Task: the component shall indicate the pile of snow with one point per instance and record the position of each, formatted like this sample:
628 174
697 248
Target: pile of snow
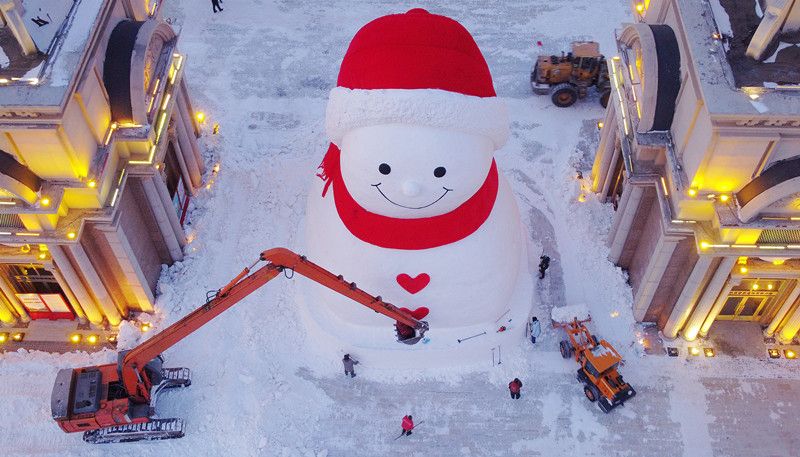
569 312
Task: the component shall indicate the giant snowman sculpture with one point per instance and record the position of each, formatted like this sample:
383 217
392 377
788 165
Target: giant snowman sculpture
409 202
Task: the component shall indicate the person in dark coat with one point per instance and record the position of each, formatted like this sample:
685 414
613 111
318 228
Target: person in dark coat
407 424
544 264
349 366
514 387
536 329
215 5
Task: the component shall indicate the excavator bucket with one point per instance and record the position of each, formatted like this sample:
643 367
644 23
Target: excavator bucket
409 335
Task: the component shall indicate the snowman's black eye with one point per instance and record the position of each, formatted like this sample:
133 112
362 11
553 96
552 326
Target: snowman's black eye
439 172
384 168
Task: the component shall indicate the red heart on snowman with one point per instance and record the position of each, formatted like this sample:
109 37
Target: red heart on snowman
415 284
418 313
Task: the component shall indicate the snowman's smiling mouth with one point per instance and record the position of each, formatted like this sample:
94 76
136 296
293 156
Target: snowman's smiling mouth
378 186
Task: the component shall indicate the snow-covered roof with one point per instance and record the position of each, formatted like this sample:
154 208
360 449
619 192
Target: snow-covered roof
725 86
66 29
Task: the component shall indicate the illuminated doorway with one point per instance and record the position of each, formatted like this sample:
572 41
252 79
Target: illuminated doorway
37 289
750 299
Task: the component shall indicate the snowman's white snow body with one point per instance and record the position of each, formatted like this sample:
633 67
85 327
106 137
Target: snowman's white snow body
395 170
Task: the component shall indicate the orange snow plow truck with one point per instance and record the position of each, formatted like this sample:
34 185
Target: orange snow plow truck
116 402
598 362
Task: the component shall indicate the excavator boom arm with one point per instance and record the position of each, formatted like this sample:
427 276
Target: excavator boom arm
279 259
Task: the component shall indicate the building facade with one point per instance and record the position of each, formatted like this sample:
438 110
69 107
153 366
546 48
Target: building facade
98 159
700 156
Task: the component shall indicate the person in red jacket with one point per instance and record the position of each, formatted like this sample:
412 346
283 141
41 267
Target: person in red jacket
514 387
407 424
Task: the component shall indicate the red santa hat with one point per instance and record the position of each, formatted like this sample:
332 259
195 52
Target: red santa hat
416 68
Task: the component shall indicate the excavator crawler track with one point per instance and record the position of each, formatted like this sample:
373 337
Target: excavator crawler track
156 429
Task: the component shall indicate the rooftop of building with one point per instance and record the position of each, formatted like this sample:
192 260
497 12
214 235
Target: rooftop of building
61 30
718 33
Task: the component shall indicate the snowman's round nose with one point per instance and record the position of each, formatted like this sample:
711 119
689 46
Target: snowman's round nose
411 188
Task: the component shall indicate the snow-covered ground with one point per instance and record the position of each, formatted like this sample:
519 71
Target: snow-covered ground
262 69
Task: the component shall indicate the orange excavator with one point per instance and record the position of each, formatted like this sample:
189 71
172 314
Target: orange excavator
116 402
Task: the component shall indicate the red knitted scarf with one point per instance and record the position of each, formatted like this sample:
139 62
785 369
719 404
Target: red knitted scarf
409 234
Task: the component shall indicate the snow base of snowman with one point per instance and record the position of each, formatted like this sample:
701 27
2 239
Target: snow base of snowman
376 347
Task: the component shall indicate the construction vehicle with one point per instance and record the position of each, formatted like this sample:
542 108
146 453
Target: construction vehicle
116 402
598 362
569 77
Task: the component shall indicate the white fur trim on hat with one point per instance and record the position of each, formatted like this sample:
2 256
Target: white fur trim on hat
352 108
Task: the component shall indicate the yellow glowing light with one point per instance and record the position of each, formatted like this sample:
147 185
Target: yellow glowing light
71 235
709 352
755 286
614 313
45 201
694 350
25 248
790 354
743 270
753 96
91 183
640 7
704 245
18 337
3 337
200 116
778 261
112 338
92 339
723 198
42 255
75 338
145 327
600 124
581 198
692 192
770 286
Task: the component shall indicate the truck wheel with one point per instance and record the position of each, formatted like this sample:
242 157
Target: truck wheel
604 96
595 340
604 405
564 95
565 348
591 392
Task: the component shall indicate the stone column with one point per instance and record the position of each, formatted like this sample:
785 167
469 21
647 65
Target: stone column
13 300
185 150
603 161
718 304
192 128
688 297
187 178
126 258
626 212
652 275
7 315
162 216
710 295
95 284
73 301
790 328
83 298
784 310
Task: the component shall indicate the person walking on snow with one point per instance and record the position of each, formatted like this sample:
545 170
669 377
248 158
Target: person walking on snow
536 329
543 265
215 5
349 366
407 424
514 387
